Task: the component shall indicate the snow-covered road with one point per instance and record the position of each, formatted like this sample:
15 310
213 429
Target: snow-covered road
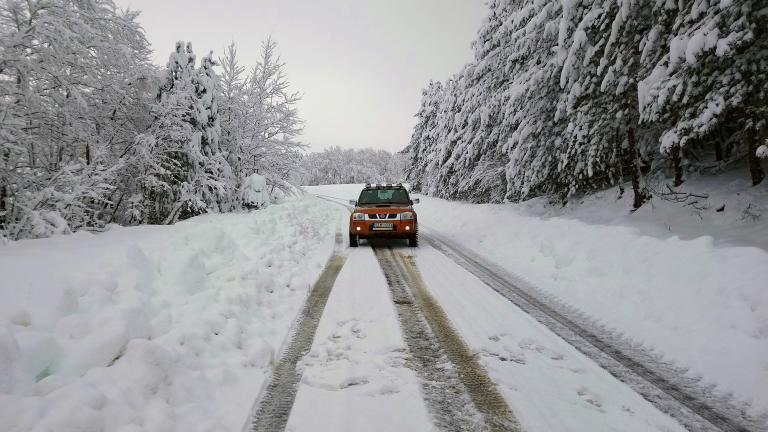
180 328
467 225
356 376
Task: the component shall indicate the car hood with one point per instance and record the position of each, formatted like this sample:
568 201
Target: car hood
393 209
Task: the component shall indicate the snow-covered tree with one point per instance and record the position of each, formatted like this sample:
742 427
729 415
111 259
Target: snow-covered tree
184 172
232 106
92 133
335 165
260 122
565 97
708 84
73 95
272 105
423 140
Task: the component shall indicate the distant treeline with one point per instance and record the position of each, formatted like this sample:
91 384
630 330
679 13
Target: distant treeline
568 97
341 166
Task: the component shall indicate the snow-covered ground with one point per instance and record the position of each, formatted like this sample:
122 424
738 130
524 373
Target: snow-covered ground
162 328
355 376
549 384
154 328
725 207
702 304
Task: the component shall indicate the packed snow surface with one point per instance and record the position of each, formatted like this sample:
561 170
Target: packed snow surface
700 303
154 328
355 376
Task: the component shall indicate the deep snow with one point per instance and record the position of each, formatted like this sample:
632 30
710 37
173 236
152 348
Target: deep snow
154 328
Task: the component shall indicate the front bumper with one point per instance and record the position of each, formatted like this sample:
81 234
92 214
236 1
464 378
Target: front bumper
402 229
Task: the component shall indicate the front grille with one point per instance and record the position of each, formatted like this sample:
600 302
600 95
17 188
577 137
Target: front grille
382 216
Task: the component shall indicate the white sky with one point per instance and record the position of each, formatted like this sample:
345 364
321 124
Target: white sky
360 64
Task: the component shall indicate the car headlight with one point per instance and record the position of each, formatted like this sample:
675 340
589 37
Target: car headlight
407 216
358 216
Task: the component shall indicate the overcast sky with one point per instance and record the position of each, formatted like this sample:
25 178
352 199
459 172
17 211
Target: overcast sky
360 64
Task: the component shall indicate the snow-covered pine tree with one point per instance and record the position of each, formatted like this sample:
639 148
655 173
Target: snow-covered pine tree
591 153
478 160
184 172
621 69
709 80
216 184
534 139
423 143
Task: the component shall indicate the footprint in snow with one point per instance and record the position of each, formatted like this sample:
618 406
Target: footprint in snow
513 356
590 398
532 345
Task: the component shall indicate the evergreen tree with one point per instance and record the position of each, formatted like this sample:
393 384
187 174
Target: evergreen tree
709 81
185 173
568 97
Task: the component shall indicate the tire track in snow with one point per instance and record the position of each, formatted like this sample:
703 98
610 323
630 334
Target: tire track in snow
696 408
457 390
273 406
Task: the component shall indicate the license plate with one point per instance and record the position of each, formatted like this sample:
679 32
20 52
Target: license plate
383 226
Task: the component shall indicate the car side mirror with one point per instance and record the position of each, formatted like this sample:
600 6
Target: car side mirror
353 202
415 201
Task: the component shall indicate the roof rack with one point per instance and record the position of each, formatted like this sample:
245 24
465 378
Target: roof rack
383 185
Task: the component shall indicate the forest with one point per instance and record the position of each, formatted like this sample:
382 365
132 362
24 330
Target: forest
335 165
92 133
568 97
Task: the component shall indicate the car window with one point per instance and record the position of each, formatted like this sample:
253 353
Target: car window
384 196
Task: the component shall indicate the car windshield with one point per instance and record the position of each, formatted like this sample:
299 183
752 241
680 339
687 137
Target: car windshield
383 196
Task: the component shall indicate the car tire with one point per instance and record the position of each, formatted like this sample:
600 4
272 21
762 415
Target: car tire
353 241
413 241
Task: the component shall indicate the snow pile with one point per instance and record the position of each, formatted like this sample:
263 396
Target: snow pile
254 192
762 151
154 328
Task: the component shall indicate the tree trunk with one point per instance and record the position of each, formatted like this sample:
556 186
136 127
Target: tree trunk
620 164
717 143
755 170
3 207
674 156
634 169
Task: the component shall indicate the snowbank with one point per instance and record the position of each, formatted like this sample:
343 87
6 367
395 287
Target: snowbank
155 328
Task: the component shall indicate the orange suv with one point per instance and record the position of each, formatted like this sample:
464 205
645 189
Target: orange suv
384 211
